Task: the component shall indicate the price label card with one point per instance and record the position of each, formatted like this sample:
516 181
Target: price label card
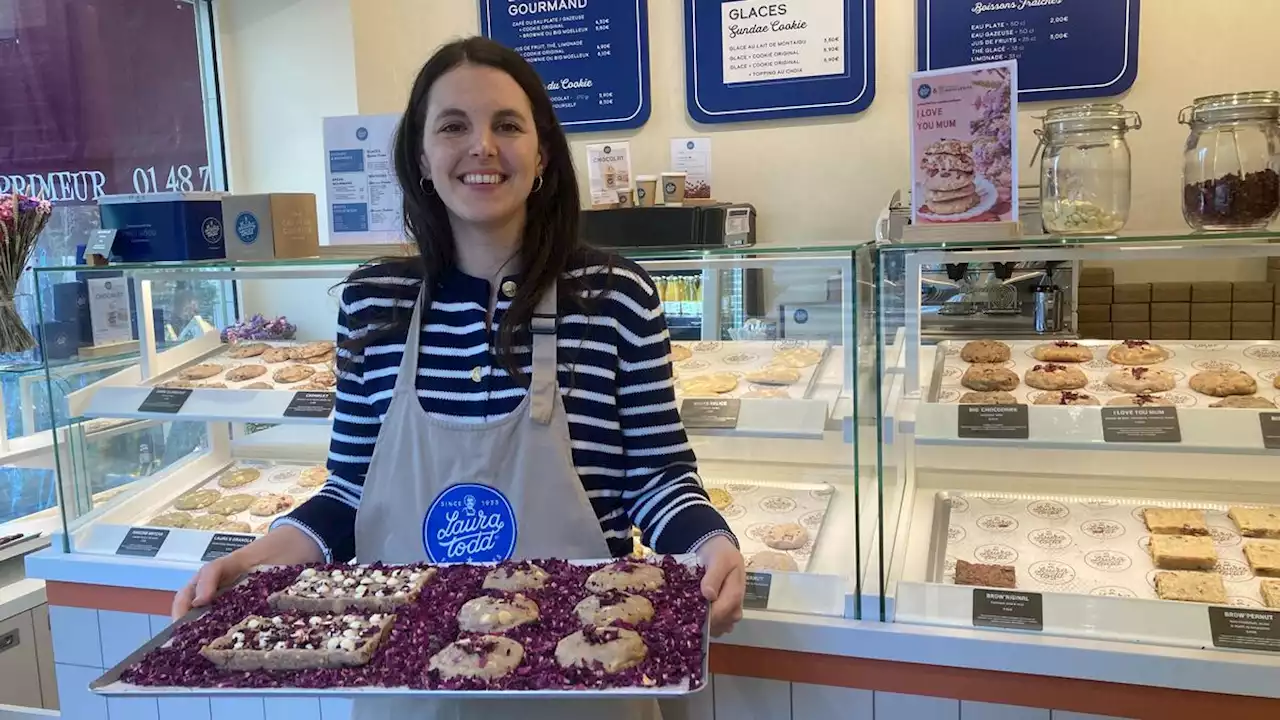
1001 422
1245 629
1008 609
1141 425
757 595
224 544
710 413
310 405
165 400
142 542
102 242
1270 430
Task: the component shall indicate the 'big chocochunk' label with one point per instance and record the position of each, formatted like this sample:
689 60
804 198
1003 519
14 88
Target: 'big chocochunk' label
469 523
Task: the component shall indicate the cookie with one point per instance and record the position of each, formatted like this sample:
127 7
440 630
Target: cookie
626 576
487 657
206 522
259 386
1263 557
984 351
312 387
1051 376
235 526
997 576
944 180
487 614
310 350
720 499
797 357
199 372
943 195
1141 400
680 353
171 520
1137 352
268 504
1175 521
241 351
177 384
1263 522
773 375
611 649
1141 379
988 398
197 499
213 386
293 374
514 578
313 477
949 147
709 384
614 607
238 477
246 372
275 355
989 378
774 393
771 560
1252 402
1183 552
324 379
1065 397
954 207
1191 586
1062 351
786 536
1271 593
1223 383
231 504
262 529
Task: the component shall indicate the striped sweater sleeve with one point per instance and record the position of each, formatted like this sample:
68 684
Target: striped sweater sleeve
663 495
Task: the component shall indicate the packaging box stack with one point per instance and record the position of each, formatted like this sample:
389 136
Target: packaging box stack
1170 311
1211 311
1131 311
1273 276
1252 310
1093 303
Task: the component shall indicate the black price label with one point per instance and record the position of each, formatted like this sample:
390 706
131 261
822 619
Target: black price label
1008 609
310 405
712 413
757 595
1141 425
165 400
1245 629
1001 422
1270 430
142 542
224 544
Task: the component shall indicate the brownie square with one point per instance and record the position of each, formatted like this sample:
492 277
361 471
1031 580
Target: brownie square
1263 522
997 576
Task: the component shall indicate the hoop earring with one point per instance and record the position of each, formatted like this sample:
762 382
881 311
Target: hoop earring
427 186
537 184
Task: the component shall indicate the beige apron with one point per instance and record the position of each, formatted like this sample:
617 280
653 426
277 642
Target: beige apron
494 489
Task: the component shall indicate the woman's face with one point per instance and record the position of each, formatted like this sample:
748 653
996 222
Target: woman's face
480 146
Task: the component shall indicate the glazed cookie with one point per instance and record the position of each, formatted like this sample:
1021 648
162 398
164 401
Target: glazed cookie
611 607
268 504
197 499
1251 402
275 355
487 614
1051 376
786 536
313 477
246 372
1223 383
989 378
1141 400
984 351
773 375
720 499
1062 351
1137 352
200 372
247 350
487 657
513 578
238 477
612 649
293 374
175 519
626 576
231 504
1140 379
1065 397
771 560
988 398
680 353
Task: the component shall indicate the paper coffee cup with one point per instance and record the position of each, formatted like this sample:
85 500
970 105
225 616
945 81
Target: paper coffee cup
624 197
646 190
673 188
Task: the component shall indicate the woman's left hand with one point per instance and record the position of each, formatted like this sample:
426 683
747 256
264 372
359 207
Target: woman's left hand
723 583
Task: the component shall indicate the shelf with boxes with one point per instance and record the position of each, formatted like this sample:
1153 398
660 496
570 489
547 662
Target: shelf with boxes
1176 310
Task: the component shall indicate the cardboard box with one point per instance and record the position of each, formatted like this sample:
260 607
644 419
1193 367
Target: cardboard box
271 227
1131 293
1251 331
1131 330
1253 292
1275 327
1171 311
1094 331
1252 312
1130 312
1093 313
1273 276
165 226
1097 277
1273 262
1167 292
1210 331
1170 330
1211 312
1093 296
1210 292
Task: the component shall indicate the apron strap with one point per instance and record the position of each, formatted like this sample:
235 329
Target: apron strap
542 385
407 375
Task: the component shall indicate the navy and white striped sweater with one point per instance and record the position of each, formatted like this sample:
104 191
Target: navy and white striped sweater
628 443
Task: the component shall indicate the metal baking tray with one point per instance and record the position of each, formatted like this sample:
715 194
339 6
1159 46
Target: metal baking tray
109 684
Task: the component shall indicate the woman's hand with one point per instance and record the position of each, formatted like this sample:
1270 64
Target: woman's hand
723 583
214 576
284 545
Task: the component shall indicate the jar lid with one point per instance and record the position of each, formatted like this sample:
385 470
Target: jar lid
1237 105
1098 116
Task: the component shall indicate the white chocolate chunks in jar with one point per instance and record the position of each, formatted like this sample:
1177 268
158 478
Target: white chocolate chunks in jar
299 642
515 577
487 657
614 606
371 588
627 577
614 648
493 615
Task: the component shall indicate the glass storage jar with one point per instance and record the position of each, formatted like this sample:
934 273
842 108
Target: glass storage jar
1229 167
1085 170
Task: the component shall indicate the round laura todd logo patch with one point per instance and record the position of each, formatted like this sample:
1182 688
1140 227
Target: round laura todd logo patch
469 523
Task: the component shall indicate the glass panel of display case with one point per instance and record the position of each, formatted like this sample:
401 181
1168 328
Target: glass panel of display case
1081 435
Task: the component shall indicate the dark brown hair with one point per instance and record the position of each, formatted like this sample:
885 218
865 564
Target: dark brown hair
551 224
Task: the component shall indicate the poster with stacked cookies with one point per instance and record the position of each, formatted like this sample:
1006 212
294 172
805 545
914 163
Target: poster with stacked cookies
964 163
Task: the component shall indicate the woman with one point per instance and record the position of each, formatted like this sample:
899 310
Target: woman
542 374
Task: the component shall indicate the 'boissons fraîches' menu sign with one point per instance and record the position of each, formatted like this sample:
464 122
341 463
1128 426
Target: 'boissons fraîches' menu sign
767 60
1066 49
593 56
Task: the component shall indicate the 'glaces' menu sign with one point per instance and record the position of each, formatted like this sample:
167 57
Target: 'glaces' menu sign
767 60
1065 49
593 56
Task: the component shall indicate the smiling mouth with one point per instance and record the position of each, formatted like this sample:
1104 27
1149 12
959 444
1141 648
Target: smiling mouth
482 179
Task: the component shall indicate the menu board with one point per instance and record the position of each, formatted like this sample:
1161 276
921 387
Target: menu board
766 60
362 193
592 55
1065 49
